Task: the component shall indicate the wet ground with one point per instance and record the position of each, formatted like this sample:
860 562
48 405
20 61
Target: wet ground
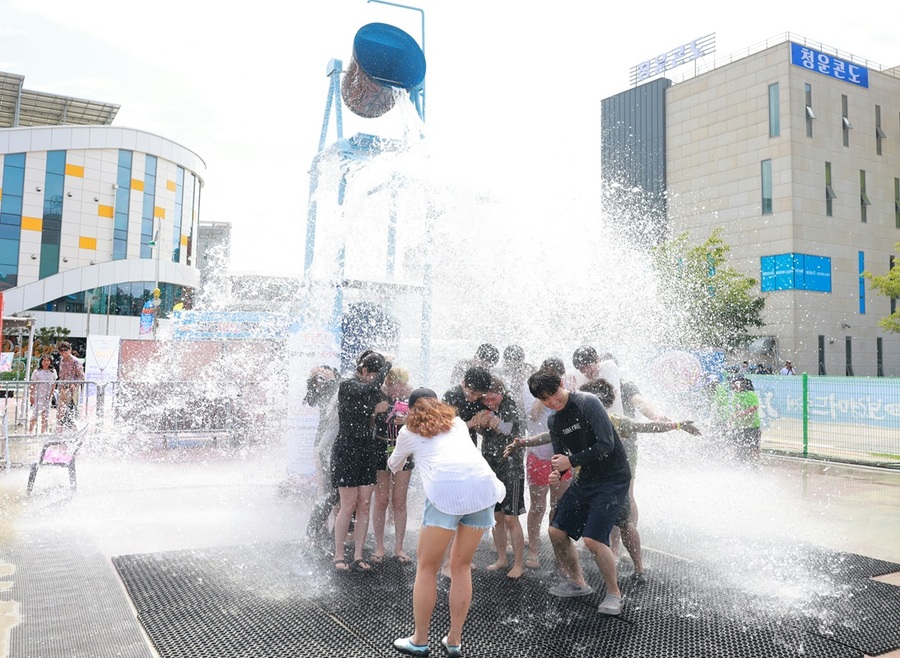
763 532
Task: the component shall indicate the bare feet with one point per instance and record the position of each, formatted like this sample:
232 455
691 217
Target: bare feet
516 572
532 563
499 564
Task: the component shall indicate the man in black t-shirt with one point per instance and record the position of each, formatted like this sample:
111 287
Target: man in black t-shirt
584 441
466 397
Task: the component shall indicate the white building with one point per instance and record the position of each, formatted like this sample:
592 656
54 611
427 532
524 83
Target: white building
794 152
92 217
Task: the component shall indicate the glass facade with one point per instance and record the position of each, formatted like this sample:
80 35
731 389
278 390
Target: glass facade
148 207
795 272
123 201
121 299
176 220
51 228
774 117
11 218
766 184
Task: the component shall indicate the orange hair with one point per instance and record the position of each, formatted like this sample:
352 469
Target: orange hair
430 417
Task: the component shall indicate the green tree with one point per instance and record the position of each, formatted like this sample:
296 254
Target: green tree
888 285
707 302
50 336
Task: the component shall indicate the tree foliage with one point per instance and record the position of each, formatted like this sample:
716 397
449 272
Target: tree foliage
709 302
888 285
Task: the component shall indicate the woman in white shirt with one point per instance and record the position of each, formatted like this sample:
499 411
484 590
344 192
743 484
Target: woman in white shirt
44 379
461 491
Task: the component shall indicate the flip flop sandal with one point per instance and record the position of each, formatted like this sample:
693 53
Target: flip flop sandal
361 565
402 559
376 559
341 566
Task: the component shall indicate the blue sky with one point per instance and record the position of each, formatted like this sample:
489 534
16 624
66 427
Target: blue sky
513 100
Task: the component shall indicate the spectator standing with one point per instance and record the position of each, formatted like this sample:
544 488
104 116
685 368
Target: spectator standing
71 373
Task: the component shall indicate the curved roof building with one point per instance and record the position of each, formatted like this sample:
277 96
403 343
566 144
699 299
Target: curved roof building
93 217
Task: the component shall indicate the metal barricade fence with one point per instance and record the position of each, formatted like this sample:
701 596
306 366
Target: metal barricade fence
849 419
239 411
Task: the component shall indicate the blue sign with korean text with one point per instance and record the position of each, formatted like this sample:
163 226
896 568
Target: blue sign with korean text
855 401
795 272
834 67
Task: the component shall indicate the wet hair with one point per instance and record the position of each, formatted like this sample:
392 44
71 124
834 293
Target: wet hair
544 383
602 389
497 386
478 379
371 361
321 384
429 417
584 356
742 384
45 356
608 356
514 354
487 353
554 365
397 377
68 346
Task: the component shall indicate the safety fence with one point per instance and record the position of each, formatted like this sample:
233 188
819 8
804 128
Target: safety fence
849 419
168 412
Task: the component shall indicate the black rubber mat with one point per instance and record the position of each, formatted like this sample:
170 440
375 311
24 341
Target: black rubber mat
285 600
71 605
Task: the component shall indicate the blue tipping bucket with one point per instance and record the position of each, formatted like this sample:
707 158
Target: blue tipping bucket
384 57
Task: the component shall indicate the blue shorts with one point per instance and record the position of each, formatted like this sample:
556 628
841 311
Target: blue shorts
483 520
590 509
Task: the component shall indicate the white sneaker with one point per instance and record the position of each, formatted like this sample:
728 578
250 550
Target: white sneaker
567 589
611 605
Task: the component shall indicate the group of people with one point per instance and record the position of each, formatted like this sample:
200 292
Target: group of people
55 382
467 447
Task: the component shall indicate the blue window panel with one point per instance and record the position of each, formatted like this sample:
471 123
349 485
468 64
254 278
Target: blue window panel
12 204
13 178
9 232
123 174
9 253
862 283
11 220
56 162
120 250
49 259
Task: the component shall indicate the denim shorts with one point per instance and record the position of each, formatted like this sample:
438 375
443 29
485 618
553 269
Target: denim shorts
483 520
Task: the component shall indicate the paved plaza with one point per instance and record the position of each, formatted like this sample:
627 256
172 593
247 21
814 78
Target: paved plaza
199 550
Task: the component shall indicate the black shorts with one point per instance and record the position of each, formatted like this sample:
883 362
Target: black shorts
591 509
514 502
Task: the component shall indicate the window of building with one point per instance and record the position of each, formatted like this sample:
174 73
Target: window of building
845 120
897 202
774 117
176 220
829 191
893 299
11 218
810 115
766 184
879 357
51 226
862 283
795 272
848 348
822 356
879 131
864 202
123 200
148 240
